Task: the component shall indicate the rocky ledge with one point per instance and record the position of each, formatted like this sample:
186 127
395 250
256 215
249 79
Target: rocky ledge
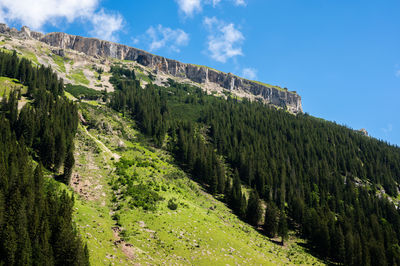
199 74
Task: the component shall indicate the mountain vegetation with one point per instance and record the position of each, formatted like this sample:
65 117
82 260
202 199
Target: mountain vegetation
35 218
280 173
314 175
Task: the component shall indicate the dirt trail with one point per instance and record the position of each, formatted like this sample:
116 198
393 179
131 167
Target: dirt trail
102 146
126 248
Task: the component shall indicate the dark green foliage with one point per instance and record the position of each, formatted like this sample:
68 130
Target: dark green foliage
36 225
121 73
172 205
282 227
68 165
253 213
36 220
271 219
39 77
82 92
141 195
48 126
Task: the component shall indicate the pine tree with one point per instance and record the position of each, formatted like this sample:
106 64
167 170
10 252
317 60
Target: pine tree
68 165
2 208
271 220
9 245
253 213
243 206
283 227
349 249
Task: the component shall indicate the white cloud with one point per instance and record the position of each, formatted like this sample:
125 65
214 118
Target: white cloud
188 7
224 40
135 40
398 73
240 2
215 2
166 37
106 25
35 14
249 73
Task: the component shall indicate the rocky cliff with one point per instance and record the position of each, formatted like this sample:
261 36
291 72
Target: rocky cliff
200 74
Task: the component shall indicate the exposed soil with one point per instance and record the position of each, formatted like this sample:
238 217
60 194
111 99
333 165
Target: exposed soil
127 248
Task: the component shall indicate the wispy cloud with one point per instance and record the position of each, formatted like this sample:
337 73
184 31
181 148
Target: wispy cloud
215 2
240 2
249 73
164 37
40 12
387 129
190 7
224 40
397 73
106 26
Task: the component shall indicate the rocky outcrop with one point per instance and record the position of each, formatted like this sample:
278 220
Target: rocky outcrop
200 74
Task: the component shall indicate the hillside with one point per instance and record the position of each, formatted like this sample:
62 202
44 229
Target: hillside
201 230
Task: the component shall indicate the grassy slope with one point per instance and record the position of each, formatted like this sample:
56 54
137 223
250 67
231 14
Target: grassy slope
92 214
79 77
7 84
201 231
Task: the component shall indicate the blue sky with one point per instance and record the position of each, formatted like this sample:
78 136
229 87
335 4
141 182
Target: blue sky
342 57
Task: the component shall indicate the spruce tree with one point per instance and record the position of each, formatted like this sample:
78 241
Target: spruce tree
253 213
271 219
68 165
283 227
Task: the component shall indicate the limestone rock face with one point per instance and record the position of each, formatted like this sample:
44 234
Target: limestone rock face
24 33
199 74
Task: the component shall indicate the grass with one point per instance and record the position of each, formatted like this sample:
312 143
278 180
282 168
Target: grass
140 75
79 77
69 96
60 62
30 56
5 50
79 91
7 84
201 231
92 212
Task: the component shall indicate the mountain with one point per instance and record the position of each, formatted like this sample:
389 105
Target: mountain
172 168
213 80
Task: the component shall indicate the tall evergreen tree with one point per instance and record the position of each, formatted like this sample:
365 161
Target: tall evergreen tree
254 210
271 219
283 227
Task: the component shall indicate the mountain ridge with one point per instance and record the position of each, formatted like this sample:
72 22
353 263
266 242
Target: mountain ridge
200 74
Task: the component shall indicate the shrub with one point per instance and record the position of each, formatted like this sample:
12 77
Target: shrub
143 196
172 205
79 91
